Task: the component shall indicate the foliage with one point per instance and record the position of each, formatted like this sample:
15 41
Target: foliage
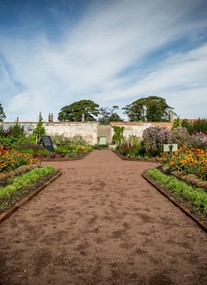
24 180
199 140
12 159
39 131
2 114
16 131
151 109
118 136
196 196
181 137
189 161
176 123
75 111
108 115
61 140
12 137
199 125
100 146
154 138
135 151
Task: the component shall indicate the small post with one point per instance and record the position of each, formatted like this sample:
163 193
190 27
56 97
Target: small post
171 148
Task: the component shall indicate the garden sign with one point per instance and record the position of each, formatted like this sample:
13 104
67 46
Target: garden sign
47 143
170 147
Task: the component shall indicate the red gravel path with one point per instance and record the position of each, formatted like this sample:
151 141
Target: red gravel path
101 223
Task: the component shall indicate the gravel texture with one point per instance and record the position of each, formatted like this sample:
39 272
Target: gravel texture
101 222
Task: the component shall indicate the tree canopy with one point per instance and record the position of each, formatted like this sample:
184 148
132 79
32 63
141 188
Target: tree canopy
108 115
85 110
2 114
151 109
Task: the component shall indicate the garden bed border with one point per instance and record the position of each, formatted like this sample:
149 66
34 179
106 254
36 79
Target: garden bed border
64 158
184 209
134 159
7 213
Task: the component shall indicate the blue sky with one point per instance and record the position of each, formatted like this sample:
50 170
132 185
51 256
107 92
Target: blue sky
55 52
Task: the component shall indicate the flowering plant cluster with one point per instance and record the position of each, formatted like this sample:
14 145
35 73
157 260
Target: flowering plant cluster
199 139
11 159
188 160
153 138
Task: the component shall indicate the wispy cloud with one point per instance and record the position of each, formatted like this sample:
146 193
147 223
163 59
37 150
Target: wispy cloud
109 56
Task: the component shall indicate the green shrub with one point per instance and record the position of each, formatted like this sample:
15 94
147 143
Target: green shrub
181 137
118 135
199 125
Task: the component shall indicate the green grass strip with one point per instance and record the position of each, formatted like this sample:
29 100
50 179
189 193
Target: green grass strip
196 196
27 179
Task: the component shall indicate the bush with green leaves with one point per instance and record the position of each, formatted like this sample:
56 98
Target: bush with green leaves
118 135
199 125
39 131
12 137
181 137
131 147
61 140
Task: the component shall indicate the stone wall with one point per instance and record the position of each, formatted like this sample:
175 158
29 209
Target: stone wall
90 131
137 129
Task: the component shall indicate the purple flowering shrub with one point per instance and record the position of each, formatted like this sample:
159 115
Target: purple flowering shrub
199 140
154 138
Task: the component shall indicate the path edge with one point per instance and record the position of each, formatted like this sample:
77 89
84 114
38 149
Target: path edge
26 199
134 159
184 209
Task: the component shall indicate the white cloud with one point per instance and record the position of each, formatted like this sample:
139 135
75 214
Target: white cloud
88 59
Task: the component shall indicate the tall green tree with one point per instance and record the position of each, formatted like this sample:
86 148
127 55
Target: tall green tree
2 114
151 109
39 131
83 110
108 115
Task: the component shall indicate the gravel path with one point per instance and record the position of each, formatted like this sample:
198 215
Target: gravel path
101 223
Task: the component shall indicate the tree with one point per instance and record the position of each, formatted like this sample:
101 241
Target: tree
83 110
39 131
109 115
151 109
2 114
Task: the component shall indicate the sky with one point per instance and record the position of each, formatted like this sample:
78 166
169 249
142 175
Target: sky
114 52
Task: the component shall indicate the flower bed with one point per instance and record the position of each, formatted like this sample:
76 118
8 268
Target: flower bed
11 159
62 152
188 161
193 199
17 187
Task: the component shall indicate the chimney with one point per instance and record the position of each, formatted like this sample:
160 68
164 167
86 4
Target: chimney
50 117
171 117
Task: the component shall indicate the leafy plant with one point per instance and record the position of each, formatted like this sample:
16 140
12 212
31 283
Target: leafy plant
19 182
39 131
196 196
176 123
199 125
118 136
